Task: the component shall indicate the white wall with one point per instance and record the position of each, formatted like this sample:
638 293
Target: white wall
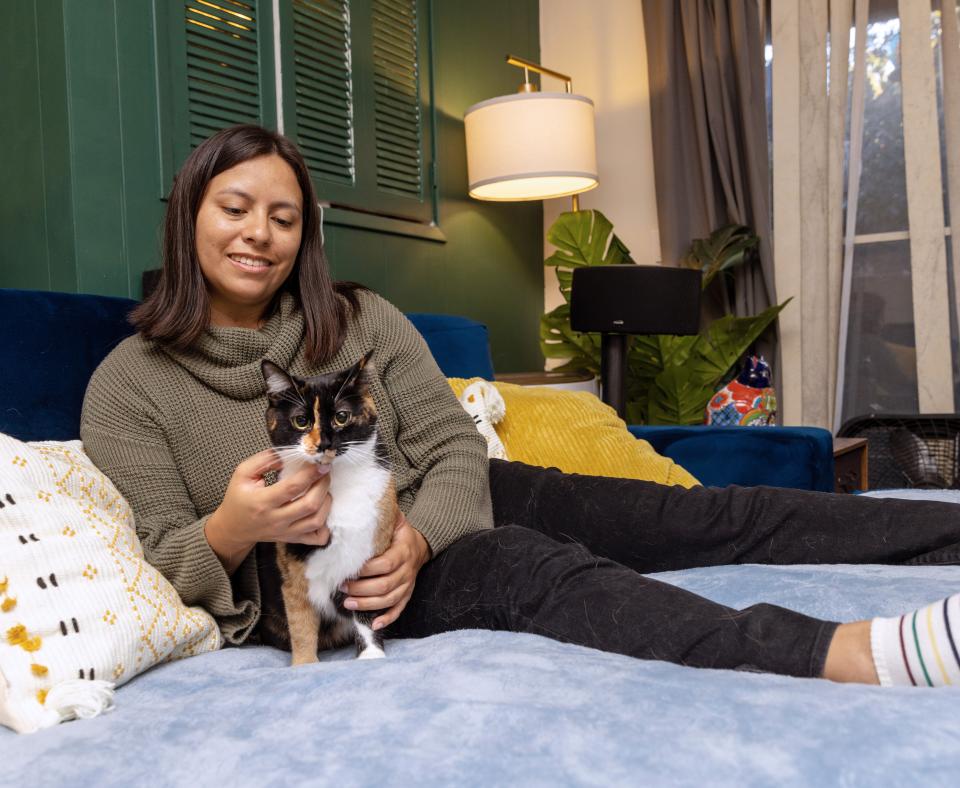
601 46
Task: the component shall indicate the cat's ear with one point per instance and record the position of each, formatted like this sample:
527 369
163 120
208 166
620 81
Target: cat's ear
277 379
363 361
354 372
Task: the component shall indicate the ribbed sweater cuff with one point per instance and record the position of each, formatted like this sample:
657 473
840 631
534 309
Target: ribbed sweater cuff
445 516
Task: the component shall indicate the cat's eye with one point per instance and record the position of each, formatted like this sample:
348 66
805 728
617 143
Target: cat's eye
300 421
341 417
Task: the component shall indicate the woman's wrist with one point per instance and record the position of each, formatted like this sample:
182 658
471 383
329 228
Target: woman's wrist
424 546
230 552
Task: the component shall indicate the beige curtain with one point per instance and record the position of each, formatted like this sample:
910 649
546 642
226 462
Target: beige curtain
809 130
928 261
809 241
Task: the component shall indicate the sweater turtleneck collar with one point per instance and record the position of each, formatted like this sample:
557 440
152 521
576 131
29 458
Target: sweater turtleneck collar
228 359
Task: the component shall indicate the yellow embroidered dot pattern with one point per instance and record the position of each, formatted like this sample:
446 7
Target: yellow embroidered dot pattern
19 462
68 531
9 602
110 618
18 636
41 696
118 670
39 670
44 496
90 572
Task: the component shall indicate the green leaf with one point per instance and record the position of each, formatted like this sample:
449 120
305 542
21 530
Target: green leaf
585 238
727 339
582 238
678 397
724 249
559 341
648 356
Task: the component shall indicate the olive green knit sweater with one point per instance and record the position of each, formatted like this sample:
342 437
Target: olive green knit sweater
169 429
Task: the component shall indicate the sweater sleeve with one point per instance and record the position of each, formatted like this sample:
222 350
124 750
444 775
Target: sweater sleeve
124 439
435 434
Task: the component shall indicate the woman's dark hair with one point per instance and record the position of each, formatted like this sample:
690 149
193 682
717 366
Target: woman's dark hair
178 310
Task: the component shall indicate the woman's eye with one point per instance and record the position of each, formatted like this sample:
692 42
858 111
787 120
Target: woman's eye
341 417
283 222
300 421
231 211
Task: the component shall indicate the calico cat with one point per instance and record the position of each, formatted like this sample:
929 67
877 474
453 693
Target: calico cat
328 419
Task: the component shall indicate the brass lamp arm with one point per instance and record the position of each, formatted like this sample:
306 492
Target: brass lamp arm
528 66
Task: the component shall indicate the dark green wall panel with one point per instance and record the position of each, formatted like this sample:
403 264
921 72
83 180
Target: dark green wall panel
85 153
36 215
54 134
96 145
140 158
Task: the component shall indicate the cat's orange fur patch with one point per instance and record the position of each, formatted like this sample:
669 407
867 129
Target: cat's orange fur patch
388 511
303 621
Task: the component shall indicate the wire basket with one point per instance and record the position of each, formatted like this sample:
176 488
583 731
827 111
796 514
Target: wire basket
909 451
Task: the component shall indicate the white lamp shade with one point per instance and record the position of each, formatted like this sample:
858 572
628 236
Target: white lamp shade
530 146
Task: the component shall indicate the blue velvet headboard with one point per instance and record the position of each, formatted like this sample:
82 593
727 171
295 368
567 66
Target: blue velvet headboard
52 343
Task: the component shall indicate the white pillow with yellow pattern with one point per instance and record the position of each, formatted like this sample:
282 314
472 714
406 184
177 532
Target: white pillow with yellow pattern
81 611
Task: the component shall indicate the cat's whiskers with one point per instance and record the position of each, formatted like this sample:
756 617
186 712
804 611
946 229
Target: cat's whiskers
294 452
359 453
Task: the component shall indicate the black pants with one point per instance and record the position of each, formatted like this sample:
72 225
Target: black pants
565 560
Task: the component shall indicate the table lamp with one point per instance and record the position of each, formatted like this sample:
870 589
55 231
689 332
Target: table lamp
531 145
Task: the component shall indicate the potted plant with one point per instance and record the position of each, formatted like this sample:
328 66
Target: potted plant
670 378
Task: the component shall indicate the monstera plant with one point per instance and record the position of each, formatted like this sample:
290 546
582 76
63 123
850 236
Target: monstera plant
670 379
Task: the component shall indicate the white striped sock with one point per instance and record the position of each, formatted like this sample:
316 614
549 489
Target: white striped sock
919 649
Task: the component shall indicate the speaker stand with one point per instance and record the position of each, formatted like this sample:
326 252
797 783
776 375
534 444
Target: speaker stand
613 362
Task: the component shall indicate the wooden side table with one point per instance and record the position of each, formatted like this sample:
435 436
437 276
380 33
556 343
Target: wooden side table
850 465
577 381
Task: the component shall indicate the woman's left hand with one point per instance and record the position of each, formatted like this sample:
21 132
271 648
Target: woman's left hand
386 582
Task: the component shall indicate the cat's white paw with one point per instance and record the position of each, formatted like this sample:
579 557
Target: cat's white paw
371 652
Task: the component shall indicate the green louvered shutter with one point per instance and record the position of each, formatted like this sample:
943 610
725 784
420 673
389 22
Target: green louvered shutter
356 102
396 89
223 75
323 92
219 70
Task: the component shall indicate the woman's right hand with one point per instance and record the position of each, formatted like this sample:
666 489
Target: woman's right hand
292 510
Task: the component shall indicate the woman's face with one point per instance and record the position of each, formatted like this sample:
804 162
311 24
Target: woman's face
248 235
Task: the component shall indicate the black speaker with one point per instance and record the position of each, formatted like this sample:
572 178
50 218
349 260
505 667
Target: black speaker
617 300
635 299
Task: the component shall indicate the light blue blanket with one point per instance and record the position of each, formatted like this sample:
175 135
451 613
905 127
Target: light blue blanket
489 708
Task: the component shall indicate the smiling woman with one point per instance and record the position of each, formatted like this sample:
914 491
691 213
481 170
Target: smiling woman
248 236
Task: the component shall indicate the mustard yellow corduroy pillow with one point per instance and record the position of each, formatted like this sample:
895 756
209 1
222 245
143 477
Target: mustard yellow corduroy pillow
577 433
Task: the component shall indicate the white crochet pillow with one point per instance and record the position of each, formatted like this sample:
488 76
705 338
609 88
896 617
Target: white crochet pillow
80 609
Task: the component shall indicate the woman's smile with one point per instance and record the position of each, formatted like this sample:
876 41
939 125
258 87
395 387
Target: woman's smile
250 263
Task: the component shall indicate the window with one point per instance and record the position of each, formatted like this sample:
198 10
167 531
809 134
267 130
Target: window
349 80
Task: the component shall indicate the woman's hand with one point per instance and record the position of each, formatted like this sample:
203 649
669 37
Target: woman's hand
292 510
386 582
